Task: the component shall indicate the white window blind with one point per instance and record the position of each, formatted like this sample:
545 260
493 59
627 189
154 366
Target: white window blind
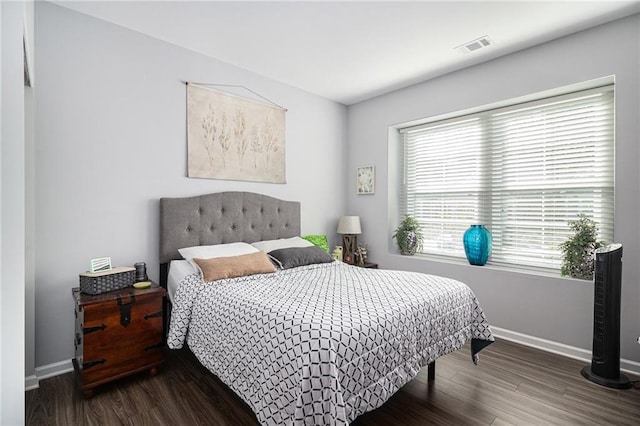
523 171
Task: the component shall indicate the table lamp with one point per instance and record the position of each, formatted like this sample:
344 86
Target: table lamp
349 227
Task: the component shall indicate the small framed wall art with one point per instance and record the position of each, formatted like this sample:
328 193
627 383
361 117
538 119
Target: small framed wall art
365 180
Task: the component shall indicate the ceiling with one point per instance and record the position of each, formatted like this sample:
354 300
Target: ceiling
350 51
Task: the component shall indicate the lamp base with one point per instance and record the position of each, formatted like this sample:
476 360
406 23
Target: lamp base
349 244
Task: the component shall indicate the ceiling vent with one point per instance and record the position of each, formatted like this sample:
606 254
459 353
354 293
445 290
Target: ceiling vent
474 45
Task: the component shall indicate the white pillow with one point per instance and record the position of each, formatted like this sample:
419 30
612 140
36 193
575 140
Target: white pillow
218 250
269 245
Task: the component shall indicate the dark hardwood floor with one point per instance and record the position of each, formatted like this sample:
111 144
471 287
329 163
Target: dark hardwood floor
512 384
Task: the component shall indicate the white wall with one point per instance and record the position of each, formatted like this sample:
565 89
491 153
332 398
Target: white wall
556 309
12 211
29 152
111 140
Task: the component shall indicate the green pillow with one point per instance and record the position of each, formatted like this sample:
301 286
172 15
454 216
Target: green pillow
318 240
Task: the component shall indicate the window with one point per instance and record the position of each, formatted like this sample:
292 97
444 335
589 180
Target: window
523 171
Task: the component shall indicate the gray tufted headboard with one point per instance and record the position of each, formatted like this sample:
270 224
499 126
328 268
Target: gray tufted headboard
224 217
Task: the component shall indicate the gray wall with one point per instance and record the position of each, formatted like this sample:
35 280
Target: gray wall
12 212
546 307
110 140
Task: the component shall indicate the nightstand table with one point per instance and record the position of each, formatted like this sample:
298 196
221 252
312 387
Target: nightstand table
118 333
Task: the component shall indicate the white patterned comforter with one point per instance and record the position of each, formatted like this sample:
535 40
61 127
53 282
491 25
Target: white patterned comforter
322 344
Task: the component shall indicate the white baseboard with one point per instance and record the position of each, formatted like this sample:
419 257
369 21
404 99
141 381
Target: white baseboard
46 371
31 382
54 369
580 354
627 366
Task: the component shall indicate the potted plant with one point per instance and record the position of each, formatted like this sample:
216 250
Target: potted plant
578 250
409 236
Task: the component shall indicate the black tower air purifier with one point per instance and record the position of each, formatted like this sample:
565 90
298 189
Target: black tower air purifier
605 359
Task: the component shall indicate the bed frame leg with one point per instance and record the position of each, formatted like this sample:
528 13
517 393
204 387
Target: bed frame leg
431 371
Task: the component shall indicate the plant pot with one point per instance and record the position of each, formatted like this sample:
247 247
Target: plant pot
477 244
410 245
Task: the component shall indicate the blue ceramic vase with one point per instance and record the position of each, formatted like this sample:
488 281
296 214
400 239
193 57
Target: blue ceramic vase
477 244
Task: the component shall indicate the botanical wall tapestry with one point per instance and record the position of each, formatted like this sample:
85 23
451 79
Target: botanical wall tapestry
234 138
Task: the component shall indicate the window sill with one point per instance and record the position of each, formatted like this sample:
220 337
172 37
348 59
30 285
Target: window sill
541 272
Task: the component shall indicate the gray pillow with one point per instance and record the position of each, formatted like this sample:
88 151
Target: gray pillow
292 257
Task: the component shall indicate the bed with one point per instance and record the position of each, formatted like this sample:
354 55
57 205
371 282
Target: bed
314 342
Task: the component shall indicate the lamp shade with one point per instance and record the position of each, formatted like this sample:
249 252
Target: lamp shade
349 225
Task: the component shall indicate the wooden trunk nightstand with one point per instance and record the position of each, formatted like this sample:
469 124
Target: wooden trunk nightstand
117 334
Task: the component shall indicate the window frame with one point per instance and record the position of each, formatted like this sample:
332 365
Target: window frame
533 100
